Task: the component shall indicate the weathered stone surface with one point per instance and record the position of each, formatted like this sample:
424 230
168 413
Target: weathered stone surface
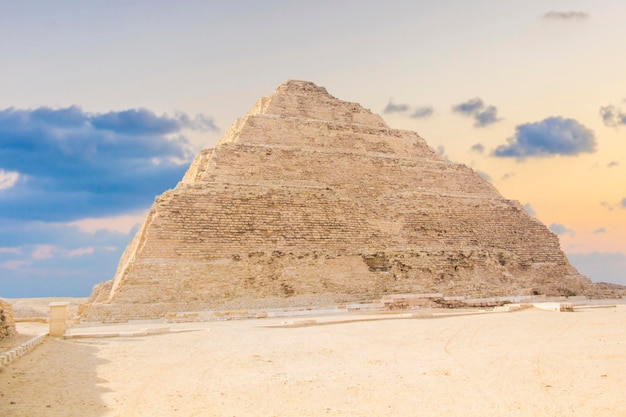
7 324
309 200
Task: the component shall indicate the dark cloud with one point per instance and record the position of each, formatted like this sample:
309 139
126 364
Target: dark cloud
418 112
607 205
484 175
599 231
470 107
559 229
396 108
441 150
486 117
529 210
478 148
612 164
422 112
569 15
508 175
145 122
69 164
612 206
483 115
551 136
612 116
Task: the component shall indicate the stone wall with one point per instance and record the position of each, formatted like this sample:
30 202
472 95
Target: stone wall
309 200
7 325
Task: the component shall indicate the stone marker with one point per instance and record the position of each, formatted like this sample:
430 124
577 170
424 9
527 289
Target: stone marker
58 318
309 200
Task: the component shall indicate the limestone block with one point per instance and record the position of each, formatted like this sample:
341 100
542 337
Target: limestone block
554 306
58 318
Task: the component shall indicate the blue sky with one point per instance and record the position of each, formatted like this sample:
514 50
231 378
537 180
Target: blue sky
104 104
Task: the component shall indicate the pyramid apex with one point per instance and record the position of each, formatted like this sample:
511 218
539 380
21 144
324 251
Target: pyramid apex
307 100
295 86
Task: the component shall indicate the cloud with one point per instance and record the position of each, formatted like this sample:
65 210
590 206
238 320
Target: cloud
7 179
67 164
43 252
529 210
145 122
396 108
478 148
560 230
79 252
612 116
599 231
483 115
470 107
610 206
47 251
612 164
10 250
13 265
606 205
422 112
486 117
601 266
551 136
569 15
507 175
53 259
123 223
419 112
484 175
441 150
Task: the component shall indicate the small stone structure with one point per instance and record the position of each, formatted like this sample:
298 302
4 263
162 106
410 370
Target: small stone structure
313 201
58 318
7 324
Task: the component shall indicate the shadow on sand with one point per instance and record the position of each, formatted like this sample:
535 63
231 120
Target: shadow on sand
58 378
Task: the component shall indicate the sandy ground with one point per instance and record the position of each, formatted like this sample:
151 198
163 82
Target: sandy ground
526 363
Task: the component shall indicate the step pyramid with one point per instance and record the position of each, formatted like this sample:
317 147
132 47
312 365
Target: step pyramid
309 200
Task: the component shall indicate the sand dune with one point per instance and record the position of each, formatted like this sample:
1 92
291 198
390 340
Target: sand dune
526 363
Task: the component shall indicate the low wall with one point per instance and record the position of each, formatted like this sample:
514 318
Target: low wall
13 354
7 323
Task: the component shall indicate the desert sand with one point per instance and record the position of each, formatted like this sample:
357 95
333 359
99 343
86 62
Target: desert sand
525 363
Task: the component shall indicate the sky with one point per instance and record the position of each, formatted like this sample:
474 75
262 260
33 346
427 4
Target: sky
103 105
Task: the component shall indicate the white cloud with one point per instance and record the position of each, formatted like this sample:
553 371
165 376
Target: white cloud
43 252
10 250
122 224
79 252
560 230
14 265
8 179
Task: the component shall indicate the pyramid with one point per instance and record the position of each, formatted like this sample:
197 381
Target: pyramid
309 200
